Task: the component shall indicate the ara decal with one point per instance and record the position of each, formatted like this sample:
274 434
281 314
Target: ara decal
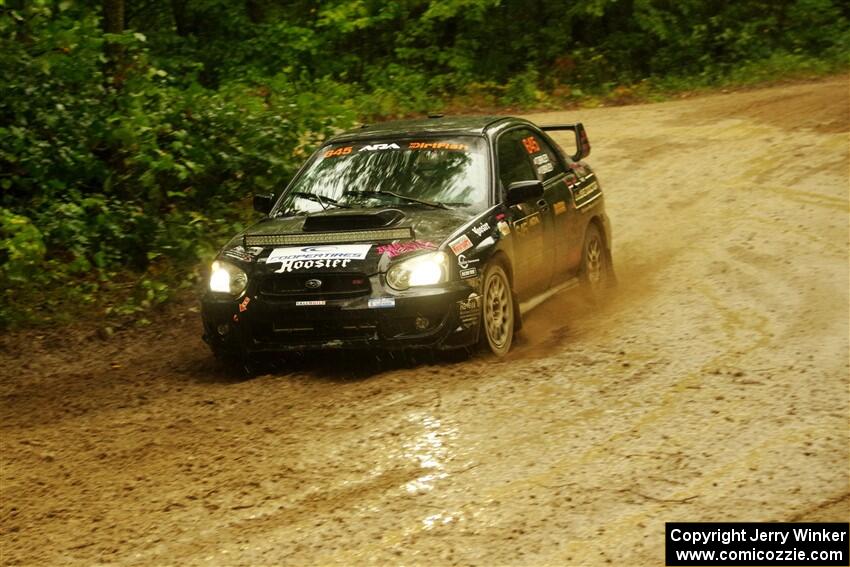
376 147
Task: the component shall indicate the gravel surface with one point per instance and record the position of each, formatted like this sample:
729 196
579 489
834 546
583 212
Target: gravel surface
713 387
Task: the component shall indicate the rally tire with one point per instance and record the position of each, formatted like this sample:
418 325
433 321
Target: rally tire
595 273
497 312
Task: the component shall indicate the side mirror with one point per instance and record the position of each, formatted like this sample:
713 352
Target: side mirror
522 191
263 203
582 143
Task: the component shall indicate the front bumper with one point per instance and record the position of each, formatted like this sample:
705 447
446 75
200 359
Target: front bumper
442 317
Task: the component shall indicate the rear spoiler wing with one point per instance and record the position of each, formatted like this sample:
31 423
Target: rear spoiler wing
582 143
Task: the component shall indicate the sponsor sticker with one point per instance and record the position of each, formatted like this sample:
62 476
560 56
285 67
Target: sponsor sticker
469 310
463 262
244 305
376 147
240 253
399 248
541 159
437 146
504 228
468 273
586 190
481 228
560 207
531 145
310 303
381 302
545 168
338 152
306 257
460 244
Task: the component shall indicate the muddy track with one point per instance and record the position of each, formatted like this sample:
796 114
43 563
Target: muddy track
713 387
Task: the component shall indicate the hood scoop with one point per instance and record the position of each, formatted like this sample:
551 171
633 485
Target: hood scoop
346 220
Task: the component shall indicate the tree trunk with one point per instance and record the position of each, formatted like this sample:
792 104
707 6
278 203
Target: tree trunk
255 11
113 16
113 22
181 18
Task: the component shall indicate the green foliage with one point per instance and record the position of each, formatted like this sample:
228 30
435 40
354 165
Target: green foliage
125 158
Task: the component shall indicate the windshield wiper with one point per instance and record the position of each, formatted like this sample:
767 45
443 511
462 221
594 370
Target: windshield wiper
319 199
402 197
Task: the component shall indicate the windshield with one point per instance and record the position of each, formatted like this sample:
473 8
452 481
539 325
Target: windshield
419 172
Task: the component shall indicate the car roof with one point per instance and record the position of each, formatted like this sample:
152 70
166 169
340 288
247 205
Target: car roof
445 125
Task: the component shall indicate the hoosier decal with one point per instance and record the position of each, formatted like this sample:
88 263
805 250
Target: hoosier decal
305 257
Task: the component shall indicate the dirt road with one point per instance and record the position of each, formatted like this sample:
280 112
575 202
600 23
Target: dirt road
714 387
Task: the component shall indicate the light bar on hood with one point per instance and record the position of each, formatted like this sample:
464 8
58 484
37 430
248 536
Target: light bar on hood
404 233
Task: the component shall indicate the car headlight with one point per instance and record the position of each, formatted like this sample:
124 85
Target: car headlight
227 278
425 269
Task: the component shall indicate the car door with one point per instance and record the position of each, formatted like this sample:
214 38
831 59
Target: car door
531 220
550 169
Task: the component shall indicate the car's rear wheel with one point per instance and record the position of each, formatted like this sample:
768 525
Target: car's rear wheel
498 310
595 268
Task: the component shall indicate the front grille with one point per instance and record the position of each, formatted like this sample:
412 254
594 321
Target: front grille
316 328
333 286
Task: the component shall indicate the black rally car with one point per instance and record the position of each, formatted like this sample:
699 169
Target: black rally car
433 233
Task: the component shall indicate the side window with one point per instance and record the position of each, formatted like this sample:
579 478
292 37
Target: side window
514 162
543 157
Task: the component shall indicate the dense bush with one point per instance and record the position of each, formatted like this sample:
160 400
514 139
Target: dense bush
124 156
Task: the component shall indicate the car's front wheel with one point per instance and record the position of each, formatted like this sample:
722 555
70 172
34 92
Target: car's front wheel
498 310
